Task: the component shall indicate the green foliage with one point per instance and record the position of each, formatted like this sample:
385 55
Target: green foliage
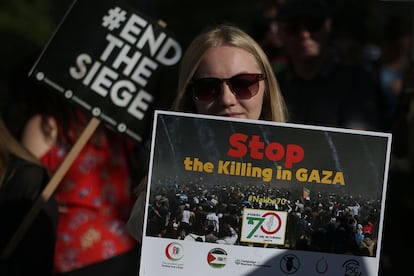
25 27
27 18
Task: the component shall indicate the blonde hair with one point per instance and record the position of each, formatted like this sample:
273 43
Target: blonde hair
9 145
274 108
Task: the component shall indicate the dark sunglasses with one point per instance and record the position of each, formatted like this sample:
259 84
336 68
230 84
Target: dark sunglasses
311 25
243 86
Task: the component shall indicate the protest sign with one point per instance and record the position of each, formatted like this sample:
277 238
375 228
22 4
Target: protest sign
106 57
290 199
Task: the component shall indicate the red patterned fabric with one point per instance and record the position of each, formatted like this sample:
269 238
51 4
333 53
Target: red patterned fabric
95 201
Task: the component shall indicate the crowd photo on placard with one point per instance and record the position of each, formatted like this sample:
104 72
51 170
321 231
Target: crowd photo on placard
199 210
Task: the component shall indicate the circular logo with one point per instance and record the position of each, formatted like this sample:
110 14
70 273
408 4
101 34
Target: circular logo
289 264
217 257
174 251
272 227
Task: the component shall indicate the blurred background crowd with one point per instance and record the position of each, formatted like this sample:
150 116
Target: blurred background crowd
373 35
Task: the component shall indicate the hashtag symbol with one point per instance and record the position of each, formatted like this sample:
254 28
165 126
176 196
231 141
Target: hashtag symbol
114 18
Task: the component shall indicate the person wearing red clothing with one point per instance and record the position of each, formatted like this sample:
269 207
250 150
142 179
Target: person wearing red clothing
95 195
368 228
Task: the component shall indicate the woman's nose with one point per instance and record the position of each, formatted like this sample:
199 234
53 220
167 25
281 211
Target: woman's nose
227 96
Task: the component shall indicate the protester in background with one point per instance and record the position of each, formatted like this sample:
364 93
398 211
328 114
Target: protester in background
95 195
406 116
265 31
318 89
22 180
224 72
401 173
394 63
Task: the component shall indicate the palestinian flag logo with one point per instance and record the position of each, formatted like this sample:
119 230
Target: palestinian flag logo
217 258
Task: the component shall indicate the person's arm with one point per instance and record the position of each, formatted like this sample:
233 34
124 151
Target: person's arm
35 139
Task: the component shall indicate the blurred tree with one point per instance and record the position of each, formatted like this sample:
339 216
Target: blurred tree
25 27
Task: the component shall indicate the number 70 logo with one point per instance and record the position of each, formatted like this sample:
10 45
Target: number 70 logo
263 226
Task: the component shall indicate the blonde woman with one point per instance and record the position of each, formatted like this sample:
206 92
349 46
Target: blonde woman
223 72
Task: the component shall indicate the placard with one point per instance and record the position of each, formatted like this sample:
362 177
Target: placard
289 198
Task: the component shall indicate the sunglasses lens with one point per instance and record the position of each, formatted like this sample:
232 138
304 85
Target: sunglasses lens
206 89
244 86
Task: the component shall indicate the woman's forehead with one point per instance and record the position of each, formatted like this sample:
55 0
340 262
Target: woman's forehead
227 61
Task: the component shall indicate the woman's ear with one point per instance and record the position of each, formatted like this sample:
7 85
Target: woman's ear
35 139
